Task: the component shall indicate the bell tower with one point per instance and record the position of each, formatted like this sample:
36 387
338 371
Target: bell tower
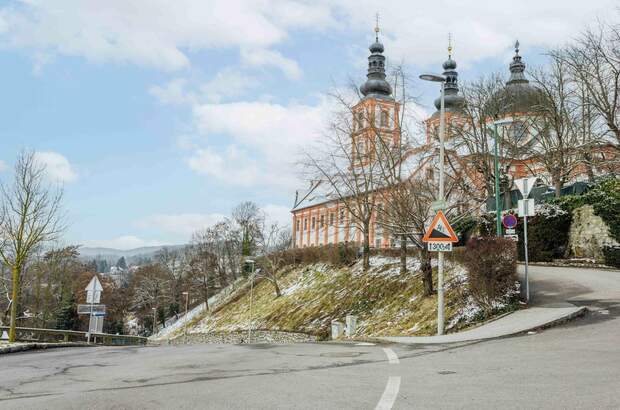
376 115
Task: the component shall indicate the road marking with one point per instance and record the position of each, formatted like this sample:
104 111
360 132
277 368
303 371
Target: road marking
389 394
392 358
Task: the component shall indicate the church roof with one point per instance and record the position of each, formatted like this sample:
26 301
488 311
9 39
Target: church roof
376 85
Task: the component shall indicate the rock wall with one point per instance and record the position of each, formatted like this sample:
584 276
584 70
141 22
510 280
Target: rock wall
588 234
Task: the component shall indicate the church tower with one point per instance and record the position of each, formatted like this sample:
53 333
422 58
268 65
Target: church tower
453 101
376 115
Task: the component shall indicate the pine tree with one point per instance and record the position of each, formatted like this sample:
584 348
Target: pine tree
67 317
122 264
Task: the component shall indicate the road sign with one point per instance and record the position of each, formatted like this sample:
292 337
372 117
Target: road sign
93 290
526 207
440 246
509 221
513 237
440 230
437 205
510 231
525 185
87 309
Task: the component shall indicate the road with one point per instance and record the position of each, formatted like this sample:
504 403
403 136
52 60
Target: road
576 365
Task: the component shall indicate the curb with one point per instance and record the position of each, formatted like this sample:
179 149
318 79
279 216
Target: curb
39 346
578 313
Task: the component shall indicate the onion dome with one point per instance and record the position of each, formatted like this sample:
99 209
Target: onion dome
453 101
376 86
519 95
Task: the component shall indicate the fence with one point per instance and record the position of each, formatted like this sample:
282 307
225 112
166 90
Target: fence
28 334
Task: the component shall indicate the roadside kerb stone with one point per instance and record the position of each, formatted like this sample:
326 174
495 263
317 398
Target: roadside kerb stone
22 347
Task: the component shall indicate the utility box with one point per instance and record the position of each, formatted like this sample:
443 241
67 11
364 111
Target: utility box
351 321
337 329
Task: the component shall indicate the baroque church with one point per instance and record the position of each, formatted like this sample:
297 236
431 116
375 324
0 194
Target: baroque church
320 218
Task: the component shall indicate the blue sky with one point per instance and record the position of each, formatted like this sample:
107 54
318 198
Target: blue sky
158 117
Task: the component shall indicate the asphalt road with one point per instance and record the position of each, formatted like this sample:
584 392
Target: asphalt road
576 365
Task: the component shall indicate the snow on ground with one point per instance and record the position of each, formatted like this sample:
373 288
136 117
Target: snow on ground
167 331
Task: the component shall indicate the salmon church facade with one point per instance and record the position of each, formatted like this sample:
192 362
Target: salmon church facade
319 218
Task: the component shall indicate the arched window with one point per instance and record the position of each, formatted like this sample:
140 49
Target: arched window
384 118
518 131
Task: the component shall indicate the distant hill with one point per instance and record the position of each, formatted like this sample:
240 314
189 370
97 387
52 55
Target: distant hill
115 254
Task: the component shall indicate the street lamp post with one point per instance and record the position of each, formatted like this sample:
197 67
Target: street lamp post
498 211
154 320
250 261
185 318
440 263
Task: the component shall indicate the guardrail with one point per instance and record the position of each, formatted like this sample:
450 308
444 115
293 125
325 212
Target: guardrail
31 334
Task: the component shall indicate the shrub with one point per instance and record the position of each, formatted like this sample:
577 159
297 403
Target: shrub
337 255
547 233
612 256
492 270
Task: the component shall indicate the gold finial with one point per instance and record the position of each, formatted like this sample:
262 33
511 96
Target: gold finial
377 27
449 45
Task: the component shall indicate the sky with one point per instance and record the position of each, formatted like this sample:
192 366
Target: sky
157 117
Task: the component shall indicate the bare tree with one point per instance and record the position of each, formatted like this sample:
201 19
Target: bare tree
274 240
248 217
473 139
29 217
558 142
594 61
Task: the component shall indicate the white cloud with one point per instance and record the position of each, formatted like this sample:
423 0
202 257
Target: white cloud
57 166
154 33
123 242
278 213
271 58
232 165
159 33
417 32
3 166
182 224
174 92
226 84
263 140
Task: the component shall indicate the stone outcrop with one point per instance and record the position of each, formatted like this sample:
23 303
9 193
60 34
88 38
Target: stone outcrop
588 234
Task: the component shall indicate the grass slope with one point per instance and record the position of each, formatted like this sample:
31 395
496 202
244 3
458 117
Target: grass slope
386 302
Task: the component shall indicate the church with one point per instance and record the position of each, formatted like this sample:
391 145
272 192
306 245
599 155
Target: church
320 218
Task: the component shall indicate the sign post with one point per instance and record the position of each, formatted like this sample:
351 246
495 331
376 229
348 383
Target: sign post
526 208
93 296
439 236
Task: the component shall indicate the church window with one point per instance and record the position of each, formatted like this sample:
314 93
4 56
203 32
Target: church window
430 174
384 118
518 131
298 224
322 223
313 222
360 120
305 224
331 218
342 216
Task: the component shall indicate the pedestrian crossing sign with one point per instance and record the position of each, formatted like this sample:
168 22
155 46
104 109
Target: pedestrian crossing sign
440 230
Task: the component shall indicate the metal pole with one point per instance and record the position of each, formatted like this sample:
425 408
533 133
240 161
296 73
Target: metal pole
527 280
498 211
154 320
440 296
90 318
251 296
185 324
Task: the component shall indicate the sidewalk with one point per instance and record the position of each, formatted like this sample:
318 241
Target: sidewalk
22 347
518 322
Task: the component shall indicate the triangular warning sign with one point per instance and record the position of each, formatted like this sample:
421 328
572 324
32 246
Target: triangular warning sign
440 230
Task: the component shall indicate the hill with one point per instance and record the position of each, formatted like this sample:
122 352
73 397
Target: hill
386 302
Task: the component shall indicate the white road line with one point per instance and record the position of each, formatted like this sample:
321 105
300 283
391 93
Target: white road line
389 394
392 358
